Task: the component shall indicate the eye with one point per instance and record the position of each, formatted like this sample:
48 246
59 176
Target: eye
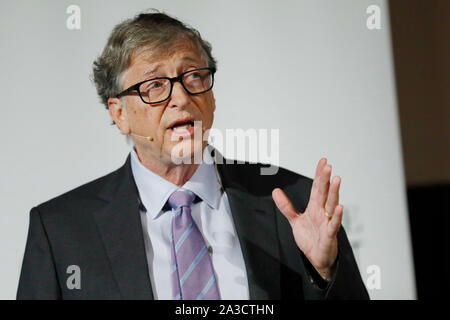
155 84
195 75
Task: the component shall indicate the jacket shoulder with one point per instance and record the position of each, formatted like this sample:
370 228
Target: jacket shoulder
80 197
260 179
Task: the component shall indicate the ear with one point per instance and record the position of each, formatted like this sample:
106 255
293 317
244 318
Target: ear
118 113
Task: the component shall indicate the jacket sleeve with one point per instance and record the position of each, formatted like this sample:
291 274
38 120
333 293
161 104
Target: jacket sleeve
38 278
347 282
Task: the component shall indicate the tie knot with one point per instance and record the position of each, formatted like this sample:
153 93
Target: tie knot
181 198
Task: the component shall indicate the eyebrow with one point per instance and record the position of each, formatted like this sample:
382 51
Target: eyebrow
151 71
155 68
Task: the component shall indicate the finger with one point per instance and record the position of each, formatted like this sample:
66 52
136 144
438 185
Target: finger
315 186
336 220
284 204
333 195
320 165
323 186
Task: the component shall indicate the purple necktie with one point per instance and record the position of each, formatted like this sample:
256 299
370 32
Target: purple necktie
191 270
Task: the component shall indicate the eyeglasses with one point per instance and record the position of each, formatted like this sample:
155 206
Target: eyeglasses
159 89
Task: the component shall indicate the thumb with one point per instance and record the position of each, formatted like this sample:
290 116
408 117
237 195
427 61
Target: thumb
284 204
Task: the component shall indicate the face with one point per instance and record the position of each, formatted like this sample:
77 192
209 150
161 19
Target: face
157 120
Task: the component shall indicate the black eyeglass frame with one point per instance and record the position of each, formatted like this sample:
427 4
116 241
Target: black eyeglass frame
135 87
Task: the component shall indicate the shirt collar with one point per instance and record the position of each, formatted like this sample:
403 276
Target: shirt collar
155 190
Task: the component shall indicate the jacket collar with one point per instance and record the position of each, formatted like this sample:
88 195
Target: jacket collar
254 217
120 228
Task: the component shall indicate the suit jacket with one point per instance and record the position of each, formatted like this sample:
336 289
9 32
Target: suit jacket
97 227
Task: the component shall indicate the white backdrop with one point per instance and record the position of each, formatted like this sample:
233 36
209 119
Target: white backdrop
334 96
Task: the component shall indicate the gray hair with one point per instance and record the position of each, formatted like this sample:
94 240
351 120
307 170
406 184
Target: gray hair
144 31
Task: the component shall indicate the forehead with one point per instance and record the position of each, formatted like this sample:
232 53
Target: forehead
179 52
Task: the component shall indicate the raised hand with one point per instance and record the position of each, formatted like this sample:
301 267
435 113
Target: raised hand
315 230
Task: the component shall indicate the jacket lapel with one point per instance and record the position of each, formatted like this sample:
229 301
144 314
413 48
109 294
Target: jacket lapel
121 231
255 223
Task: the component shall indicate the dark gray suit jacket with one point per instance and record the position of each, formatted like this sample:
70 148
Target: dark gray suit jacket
97 227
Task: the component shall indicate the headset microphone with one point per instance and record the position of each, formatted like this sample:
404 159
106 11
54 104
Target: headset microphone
146 138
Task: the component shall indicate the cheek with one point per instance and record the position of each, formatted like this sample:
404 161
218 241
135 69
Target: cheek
207 108
209 113
146 120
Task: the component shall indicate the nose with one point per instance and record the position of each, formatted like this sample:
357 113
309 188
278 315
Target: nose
179 96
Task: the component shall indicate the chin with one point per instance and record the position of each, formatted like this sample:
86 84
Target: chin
187 152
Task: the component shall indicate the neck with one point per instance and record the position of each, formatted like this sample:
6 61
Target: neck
177 174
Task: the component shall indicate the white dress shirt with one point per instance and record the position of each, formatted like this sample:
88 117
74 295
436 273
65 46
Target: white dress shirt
212 216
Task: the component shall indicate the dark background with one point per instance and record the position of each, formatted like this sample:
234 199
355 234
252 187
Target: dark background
421 45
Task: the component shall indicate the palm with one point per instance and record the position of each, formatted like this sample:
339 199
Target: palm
314 232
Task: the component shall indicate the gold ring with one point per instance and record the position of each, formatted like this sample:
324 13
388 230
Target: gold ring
329 215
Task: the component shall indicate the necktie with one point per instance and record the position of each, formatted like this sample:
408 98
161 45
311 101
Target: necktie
192 271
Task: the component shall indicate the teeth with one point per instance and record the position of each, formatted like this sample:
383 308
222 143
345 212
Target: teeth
182 127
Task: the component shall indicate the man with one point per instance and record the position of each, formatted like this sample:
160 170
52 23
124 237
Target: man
165 227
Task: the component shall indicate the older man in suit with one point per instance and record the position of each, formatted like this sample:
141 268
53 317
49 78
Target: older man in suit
166 227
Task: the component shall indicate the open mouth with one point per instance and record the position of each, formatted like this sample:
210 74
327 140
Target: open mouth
182 128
